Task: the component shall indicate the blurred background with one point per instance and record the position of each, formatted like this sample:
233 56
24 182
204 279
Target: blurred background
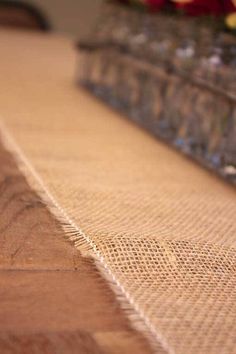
177 77
71 17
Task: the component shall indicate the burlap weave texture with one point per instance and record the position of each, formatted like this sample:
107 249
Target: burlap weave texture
165 227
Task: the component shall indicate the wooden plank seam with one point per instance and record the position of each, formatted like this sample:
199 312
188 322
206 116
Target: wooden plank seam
84 244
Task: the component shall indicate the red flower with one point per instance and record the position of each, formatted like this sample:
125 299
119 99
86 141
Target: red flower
201 7
229 6
155 5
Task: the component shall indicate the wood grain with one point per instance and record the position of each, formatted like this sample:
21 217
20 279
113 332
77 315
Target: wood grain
52 300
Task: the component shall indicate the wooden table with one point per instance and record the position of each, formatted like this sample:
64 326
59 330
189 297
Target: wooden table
52 300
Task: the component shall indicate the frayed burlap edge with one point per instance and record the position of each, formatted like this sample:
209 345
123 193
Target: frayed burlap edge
84 244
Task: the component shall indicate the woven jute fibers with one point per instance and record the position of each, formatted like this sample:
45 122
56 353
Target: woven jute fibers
165 228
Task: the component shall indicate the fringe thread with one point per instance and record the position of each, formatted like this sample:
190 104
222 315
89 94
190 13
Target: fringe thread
85 245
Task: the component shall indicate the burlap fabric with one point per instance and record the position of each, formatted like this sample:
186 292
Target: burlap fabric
162 229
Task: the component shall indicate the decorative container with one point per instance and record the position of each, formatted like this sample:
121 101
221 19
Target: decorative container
172 75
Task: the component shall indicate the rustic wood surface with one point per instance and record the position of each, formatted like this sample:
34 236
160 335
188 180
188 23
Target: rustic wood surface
52 300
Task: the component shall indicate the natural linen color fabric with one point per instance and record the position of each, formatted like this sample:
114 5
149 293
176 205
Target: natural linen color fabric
164 228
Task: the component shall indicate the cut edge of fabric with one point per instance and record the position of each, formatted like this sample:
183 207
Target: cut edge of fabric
84 244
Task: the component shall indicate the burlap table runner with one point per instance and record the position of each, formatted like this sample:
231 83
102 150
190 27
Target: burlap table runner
162 230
